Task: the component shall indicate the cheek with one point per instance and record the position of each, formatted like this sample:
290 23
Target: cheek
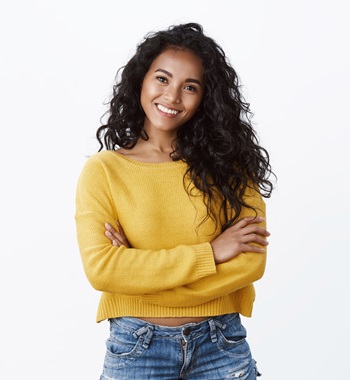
148 94
195 105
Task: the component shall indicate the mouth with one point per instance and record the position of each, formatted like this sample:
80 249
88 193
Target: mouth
166 110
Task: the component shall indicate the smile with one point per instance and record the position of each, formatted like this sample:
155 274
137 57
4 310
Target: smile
167 110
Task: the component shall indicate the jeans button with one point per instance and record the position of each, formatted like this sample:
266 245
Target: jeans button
187 331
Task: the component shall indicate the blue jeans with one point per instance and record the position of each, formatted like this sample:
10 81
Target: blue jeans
213 349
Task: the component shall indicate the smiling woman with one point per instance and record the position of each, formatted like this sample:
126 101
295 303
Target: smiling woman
170 216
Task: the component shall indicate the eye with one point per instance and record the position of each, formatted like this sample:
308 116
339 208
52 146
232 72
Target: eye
162 79
190 88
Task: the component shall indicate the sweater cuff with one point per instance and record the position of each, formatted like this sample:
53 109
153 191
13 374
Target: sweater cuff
205 265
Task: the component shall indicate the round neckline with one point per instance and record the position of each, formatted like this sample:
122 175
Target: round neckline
145 163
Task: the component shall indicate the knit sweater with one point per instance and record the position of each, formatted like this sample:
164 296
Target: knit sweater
170 270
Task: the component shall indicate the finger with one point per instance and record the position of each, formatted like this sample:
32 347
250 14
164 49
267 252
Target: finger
254 238
254 219
248 220
109 235
118 234
110 228
252 248
117 243
120 242
114 235
121 231
255 229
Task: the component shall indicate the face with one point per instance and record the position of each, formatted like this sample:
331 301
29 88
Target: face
172 90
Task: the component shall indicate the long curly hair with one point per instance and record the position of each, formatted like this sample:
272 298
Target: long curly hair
218 143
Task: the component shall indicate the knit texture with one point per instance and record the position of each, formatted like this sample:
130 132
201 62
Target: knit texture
170 269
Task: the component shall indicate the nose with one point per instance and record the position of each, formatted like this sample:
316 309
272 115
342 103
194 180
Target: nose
173 94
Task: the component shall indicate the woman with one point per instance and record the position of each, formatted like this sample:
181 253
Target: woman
182 177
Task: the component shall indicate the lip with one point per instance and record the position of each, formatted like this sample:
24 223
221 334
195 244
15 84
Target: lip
166 114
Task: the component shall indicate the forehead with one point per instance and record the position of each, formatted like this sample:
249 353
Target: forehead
179 62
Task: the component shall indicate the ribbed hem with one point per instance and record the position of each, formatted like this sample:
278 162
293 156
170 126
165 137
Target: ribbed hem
113 306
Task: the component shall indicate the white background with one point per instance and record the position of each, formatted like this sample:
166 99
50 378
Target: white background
58 62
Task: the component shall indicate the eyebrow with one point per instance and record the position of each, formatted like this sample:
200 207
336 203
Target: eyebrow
191 80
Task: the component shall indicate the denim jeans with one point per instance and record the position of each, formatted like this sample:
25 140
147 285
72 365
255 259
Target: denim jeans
213 349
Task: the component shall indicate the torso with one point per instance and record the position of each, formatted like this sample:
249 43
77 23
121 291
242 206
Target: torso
139 155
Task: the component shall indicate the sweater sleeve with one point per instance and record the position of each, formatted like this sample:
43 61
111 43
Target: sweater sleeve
231 276
124 270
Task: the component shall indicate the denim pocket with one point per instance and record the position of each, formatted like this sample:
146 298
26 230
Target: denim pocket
233 341
124 346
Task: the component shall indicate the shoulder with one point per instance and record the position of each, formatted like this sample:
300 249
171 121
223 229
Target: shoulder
99 161
102 157
93 187
253 198
106 166
97 165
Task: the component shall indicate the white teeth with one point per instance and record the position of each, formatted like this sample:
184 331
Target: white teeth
167 110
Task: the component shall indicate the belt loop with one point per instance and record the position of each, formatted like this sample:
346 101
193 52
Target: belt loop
220 325
148 330
140 331
148 337
213 335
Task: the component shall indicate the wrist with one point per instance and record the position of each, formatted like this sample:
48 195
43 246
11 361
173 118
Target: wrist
216 254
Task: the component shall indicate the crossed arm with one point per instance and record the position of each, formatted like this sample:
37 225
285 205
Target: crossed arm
239 254
237 239
174 276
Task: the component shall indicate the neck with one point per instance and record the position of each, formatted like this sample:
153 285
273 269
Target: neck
152 151
159 142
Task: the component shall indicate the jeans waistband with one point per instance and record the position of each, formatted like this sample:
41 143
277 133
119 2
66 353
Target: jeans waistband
135 324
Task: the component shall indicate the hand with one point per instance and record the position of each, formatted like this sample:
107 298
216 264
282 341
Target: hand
117 238
239 238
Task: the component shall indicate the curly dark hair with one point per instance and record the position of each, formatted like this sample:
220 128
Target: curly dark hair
218 143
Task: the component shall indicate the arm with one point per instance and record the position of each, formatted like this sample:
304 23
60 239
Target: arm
231 275
129 271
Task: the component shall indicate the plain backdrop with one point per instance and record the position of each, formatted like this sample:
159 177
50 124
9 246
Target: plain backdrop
58 63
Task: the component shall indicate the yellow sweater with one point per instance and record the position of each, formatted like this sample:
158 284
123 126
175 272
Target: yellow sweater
170 269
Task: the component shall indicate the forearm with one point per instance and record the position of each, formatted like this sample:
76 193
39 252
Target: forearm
133 271
230 277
